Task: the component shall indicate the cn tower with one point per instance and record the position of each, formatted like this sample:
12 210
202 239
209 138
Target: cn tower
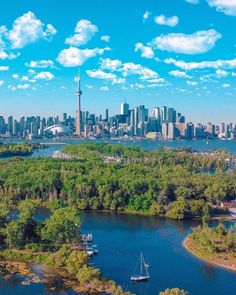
78 113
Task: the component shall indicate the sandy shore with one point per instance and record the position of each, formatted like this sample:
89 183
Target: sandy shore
215 260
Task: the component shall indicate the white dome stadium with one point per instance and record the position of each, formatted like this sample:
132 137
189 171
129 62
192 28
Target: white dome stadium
58 130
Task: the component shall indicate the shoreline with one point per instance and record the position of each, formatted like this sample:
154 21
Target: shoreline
55 278
204 259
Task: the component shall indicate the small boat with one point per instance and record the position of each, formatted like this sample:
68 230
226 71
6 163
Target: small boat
143 274
95 249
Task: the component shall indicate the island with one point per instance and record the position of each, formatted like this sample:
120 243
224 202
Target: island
215 245
18 149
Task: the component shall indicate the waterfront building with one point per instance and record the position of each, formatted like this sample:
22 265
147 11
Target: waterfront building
164 130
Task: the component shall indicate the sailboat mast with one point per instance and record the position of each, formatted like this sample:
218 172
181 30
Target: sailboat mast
141 264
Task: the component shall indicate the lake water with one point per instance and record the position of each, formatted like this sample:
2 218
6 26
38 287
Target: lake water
121 238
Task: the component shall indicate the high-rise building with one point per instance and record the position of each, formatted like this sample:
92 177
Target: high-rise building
163 114
78 114
136 120
106 115
171 115
124 109
165 130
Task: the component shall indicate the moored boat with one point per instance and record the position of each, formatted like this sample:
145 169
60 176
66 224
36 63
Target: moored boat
143 274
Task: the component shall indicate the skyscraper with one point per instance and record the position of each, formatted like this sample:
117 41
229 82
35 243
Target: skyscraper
124 109
164 114
78 115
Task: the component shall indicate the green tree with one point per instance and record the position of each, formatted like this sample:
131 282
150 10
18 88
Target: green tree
62 227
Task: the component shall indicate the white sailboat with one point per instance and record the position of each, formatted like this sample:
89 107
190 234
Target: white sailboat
143 274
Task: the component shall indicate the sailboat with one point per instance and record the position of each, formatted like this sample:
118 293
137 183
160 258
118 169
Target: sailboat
143 274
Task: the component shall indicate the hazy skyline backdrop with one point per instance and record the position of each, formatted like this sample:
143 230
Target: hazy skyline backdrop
178 53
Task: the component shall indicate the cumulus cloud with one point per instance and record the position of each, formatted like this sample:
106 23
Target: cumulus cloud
217 64
226 85
44 76
106 38
84 31
146 15
192 83
166 21
28 29
4 68
110 64
226 6
146 51
1 82
104 88
179 74
192 1
221 73
198 42
99 74
4 55
40 64
73 57
137 69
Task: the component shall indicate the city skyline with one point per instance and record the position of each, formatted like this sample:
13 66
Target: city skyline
167 59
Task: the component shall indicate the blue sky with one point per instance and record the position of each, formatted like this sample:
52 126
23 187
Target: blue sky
178 53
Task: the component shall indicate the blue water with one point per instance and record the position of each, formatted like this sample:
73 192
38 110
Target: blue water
121 238
200 145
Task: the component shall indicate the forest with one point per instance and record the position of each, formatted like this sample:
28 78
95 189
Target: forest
171 183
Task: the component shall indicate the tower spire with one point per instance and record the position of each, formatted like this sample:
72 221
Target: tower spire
78 115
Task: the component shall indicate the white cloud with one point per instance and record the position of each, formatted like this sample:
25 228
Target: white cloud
158 80
221 73
146 51
192 83
106 38
192 1
166 21
4 68
217 64
99 74
146 15
28 29
226 85
84 31
199 42
104 88
137 69
23 86
1 82
179 74
110 64
40 64
226 6
73 57
5 55
44 76
15 76
118 81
